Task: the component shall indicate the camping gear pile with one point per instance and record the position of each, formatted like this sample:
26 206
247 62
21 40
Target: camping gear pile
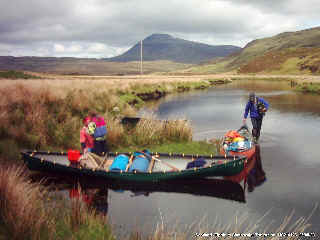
138 161
237 141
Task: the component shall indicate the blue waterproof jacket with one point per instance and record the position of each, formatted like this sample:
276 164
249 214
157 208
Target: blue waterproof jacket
253 108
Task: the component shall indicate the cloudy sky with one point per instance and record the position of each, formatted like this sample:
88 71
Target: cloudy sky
105 28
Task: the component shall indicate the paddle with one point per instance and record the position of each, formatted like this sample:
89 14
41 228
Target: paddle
104 160
165 163
92 160
130 162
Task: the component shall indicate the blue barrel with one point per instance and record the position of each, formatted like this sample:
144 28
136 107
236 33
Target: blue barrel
140 164
119 163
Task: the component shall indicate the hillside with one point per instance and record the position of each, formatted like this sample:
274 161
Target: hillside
81 66
166 47
286 53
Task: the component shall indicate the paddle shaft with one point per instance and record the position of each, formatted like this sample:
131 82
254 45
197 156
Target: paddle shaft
130 162
92 160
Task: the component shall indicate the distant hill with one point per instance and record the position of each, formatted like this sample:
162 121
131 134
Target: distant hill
286 53
166 47
85 66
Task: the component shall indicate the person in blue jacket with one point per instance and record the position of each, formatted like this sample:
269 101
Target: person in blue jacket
257 107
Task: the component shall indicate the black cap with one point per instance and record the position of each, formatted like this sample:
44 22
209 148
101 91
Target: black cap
252 95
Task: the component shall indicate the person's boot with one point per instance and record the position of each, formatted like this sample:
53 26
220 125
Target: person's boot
257 137
254 135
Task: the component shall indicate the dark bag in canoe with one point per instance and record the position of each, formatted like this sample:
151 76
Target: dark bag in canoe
199 162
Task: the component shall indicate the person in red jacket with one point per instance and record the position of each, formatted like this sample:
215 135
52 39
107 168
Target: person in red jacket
86 140
98 130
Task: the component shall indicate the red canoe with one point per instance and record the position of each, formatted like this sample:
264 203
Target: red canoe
249 153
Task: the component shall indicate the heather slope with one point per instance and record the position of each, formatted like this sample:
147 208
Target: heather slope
286 53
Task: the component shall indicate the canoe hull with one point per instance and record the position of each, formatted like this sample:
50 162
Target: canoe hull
229 167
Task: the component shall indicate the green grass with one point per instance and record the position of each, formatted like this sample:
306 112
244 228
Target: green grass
289 67
131 99
311 88
17 75
194 147
215 67
137 94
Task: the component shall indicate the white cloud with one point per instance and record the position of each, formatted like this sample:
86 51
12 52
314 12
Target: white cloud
97 47
74 48
58 48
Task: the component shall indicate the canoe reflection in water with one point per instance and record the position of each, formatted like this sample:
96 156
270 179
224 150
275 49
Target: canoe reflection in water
256 176
96 199
95 192
253 174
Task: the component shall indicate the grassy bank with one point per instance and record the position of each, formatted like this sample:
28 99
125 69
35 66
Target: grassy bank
17 75
137 94
313 88
177 147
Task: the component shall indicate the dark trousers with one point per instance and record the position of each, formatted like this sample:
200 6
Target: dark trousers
100 147
256 127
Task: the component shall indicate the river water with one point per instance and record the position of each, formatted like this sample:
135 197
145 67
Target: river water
289 151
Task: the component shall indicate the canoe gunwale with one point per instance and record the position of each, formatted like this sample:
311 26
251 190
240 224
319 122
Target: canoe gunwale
229 167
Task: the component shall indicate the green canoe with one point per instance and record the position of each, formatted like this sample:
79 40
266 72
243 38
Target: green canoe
217 166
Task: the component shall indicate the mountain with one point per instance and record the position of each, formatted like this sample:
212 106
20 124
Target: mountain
286 53
166 47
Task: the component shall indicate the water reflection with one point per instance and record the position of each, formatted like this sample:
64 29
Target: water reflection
257 175
94 192
96 198
280 95
253 174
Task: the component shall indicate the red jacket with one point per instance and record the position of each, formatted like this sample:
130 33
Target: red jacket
86 138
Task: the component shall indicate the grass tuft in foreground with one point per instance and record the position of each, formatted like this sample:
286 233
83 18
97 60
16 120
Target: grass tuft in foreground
22 213
27 213
240 227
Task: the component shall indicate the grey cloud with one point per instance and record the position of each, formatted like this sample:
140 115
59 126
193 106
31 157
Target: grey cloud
120 24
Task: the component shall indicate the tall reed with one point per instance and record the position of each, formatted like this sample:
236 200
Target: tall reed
21 210
150 131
